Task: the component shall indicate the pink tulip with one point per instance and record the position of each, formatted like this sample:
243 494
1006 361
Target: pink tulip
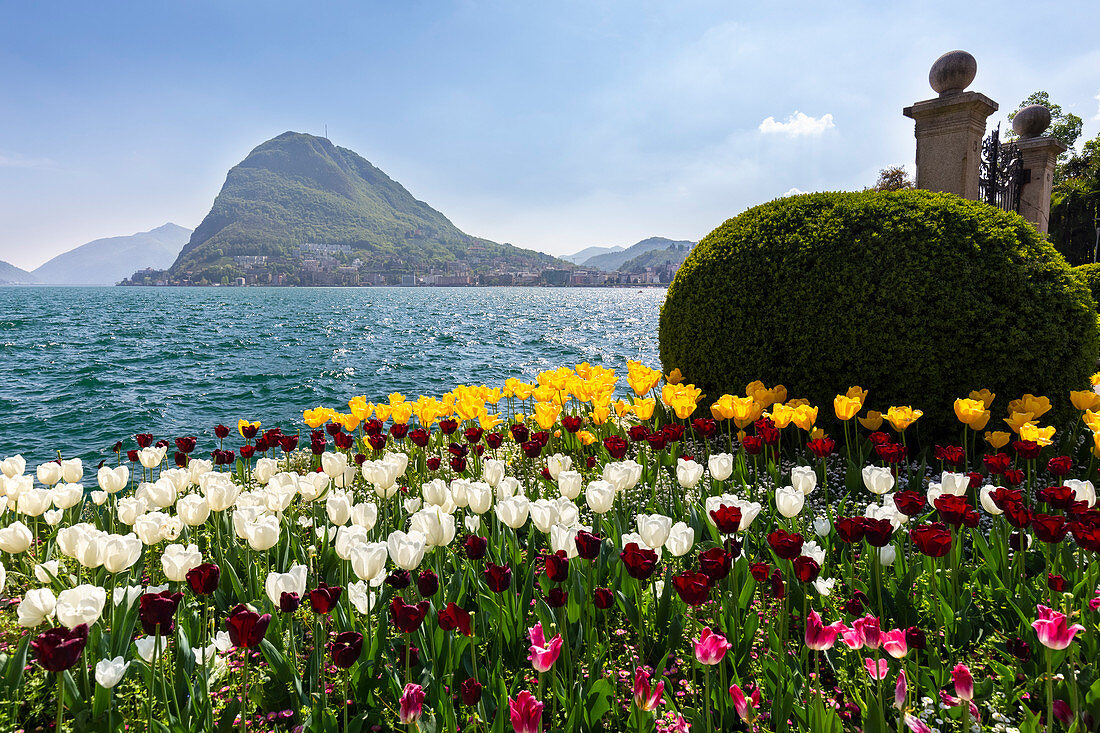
877 671
746 706
818 636
1094 602
951 701
543 655
893 642
964 682
852 637
1063 712
868 628
645 698
1052 630
412 704
710 648
526 713
900 690
916 724
679 725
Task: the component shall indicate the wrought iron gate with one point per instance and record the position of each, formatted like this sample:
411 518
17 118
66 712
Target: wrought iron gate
1001 175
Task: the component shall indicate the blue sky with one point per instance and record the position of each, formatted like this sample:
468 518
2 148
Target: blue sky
554 126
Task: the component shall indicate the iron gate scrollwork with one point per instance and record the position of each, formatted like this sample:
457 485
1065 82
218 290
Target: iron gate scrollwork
1001 175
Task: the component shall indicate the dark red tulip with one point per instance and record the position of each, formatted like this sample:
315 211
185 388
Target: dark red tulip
331 428
572 423
760 571
247 451
693 588
373 426
822 447
520 433
204 578
656 441
1060 465
909 503
117 448
1020 649
891 452
956 511
473 435
470 692
997 464
157 612
186 445
704 427
246 628
616 446
673 432
399 579
180 459
640 562
877 532
494 440
1059 497
58 649
222 457
975 479
458 450
556 566
557 597
289 602
420 437
1056 583
1014 477
638 432
132 456
752 444
288 443
933 540
448 426
144 440
427 584
432 463
323 598
455 617
221 431
377 442
1016 514
778 588
497 577
1049 528
588 545
531 448
603 599
786 545
458 464
951 454
475 546
806 568
1026 449
726 518
850 529
343 441
542 437
405 617
914 638
715 563
409 654
346 648
399 431
590 462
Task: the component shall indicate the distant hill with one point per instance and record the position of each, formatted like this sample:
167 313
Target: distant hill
658 258
590 252
12 275
106 261
304 211
615 260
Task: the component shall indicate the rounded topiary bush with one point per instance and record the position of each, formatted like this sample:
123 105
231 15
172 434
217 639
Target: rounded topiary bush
1091 275
919 297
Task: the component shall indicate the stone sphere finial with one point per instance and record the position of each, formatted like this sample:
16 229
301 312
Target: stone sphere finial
952 72
1031 121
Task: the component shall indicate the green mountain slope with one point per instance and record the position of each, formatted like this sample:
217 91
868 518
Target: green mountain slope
10 274
298 189
615 260
674 255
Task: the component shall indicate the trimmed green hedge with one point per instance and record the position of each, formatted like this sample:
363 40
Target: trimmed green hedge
1091 275
917 296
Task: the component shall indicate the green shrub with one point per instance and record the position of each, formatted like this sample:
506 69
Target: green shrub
1091 275
919 297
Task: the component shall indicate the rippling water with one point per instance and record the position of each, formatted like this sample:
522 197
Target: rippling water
83 367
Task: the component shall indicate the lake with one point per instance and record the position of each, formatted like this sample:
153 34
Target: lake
83 367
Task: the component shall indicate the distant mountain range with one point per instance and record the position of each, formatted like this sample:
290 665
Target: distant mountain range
12 275
617 258
590 252
300 210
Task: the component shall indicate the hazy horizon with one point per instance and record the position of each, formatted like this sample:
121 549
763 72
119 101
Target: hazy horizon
551 128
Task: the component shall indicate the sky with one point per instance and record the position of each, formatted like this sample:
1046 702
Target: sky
550 125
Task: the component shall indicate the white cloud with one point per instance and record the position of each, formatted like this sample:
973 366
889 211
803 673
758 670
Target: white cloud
792 192
18 161
797 125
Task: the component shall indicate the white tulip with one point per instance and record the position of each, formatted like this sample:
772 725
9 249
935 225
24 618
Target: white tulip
292 581
570 484
437 526
654 528
219 490
412 504
222 642
479 496
193 510
15 538
48 572
53 517
159 495
365 515
804 478
126 594
99 498
313 485
66 496
120 552
458 493
361 597
814 551
492 471
33 502
407 549
824 586
348 538
378 475
80 605
681 538
564 538
987 501
3 577
368 560
263 533
623 475
178 560
130 509
113 480
688 473
436 493
49 473
1082 490
822 526
721 466
72 470
568 513
147 648
178 478
789 501
88 548
14 466
36 607
508 487
264 469
544 514
887 554
472 522
196 468
557 463
109 672
152 527
514 510
151 457
878 479
600 496
338 507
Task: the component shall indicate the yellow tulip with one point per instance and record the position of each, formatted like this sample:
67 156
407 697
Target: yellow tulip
857 393
1036 434
641 378
798 402
396 397
675 376
546 415
316 417
1095 379
846 407
997 439
782 415
805 417
1085 399
644 408
745 411
817 433
1037 406
488 422
984 395
1092 420
873 421
348 422
360 408
972 413
766 397
901 418
242 424
586 437
622 408
1016 420
1096 444
382 412
401 412
600 413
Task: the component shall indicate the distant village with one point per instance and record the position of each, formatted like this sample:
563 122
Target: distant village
333 265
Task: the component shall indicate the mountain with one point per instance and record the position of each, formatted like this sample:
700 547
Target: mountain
674 256
106 261
12 275
589 252
300 210
615 260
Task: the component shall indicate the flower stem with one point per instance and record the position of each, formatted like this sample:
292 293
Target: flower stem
60 700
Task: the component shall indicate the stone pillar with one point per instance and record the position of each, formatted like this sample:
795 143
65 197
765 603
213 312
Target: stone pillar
1039 155
950 128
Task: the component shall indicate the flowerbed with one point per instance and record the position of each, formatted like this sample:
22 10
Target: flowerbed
549 556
